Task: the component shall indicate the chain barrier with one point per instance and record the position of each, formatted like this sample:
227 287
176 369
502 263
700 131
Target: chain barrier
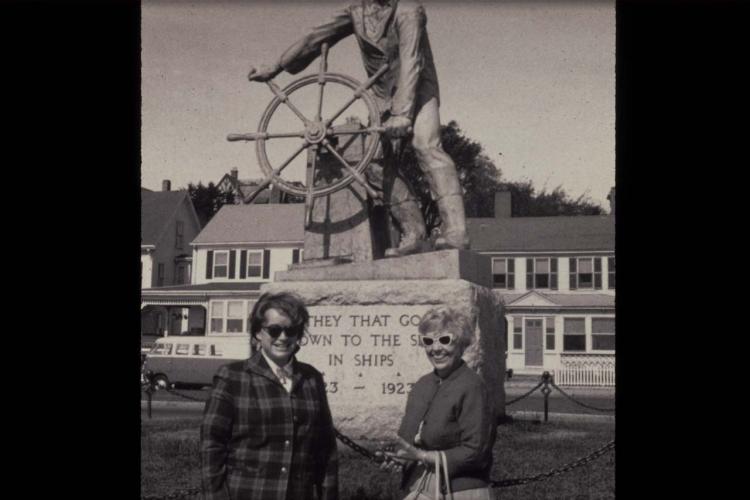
519 398
503 483
175 495
553 384
148 385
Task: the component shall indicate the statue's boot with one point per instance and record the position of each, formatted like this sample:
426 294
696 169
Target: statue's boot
405 210
449 199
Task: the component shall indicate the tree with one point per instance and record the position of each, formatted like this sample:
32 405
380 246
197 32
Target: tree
207 200
481 179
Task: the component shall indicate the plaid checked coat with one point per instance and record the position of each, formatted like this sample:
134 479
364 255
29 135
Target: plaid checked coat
260 442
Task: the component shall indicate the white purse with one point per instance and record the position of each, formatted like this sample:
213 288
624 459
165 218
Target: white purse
441 471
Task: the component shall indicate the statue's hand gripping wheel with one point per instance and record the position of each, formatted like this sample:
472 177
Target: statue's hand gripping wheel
316 135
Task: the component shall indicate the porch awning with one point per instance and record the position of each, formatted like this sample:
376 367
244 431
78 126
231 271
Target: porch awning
197 294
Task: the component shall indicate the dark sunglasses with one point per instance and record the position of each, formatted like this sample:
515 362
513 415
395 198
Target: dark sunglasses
443 339
291 331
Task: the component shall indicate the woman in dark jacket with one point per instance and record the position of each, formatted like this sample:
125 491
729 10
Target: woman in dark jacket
267 432
447 410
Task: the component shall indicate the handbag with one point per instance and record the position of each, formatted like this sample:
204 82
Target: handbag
420 490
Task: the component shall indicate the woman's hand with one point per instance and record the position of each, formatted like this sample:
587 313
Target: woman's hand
405 452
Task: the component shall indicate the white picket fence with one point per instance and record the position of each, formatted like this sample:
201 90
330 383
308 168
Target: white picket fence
586 370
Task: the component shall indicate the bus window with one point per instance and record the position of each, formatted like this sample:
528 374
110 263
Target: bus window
168 349
182 349
199 350
158 349
216 350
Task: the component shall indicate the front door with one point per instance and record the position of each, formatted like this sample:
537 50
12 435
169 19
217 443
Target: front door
534 352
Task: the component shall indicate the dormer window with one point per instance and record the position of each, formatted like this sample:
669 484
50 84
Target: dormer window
585 273
503 273
541 273
254 264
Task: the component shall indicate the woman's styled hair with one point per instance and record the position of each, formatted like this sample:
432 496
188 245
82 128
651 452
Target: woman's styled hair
446 319
287 303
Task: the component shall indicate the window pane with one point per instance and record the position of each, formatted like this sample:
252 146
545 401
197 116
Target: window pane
574 325
550 342
168 348
220 258
234 325
550 324
584 266
574 342
158 349
542 281
220 271
498 280
542 266
216 350
234 309
498 266
602 325
611 263
182 349
517 341
603 342
517 324
253 271
585 280
217 309
199 349
254 258
217 325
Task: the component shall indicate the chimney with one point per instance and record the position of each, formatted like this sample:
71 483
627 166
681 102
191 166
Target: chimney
234 172
611 198
502 204
166 185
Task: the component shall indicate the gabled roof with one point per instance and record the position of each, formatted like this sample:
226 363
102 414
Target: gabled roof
535 298
157 208
251 223
534 234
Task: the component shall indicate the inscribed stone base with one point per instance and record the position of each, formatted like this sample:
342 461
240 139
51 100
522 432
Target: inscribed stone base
363 337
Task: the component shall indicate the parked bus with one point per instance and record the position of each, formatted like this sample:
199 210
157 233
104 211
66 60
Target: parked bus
193 360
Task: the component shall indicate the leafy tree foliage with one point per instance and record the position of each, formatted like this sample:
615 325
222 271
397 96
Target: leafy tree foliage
481 179
208 200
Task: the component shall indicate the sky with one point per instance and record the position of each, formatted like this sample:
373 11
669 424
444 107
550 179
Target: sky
532 81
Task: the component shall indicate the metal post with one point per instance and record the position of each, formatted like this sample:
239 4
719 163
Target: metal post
546 390
148 395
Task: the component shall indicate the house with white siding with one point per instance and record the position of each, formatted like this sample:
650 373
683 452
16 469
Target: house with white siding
239 249
556 277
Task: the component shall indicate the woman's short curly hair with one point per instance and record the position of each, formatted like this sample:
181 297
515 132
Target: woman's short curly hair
446 319
287 303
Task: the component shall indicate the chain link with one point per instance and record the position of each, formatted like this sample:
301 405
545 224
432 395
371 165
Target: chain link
519 398
175 495
555 472
578 402
359 449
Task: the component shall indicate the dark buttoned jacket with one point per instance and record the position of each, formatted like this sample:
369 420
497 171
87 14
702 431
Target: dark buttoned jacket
458 419
395 34
260 442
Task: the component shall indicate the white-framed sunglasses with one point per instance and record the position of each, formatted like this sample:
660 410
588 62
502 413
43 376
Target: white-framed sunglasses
445 339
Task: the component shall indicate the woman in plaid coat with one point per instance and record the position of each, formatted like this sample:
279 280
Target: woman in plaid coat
267 432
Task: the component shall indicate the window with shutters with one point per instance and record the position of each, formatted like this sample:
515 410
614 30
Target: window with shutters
541 272
221 264
585 273
160 274
611 273
254 264
503 273
602 334
574 334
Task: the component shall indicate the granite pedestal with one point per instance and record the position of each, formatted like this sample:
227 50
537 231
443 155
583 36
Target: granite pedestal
363 331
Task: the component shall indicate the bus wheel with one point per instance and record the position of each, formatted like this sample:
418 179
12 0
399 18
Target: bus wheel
161 381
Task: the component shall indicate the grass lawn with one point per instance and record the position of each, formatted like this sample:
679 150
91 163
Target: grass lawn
169 461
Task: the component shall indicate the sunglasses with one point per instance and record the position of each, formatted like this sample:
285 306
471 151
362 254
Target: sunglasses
445 339
291 331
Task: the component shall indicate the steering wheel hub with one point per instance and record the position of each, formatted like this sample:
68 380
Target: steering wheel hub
315 132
